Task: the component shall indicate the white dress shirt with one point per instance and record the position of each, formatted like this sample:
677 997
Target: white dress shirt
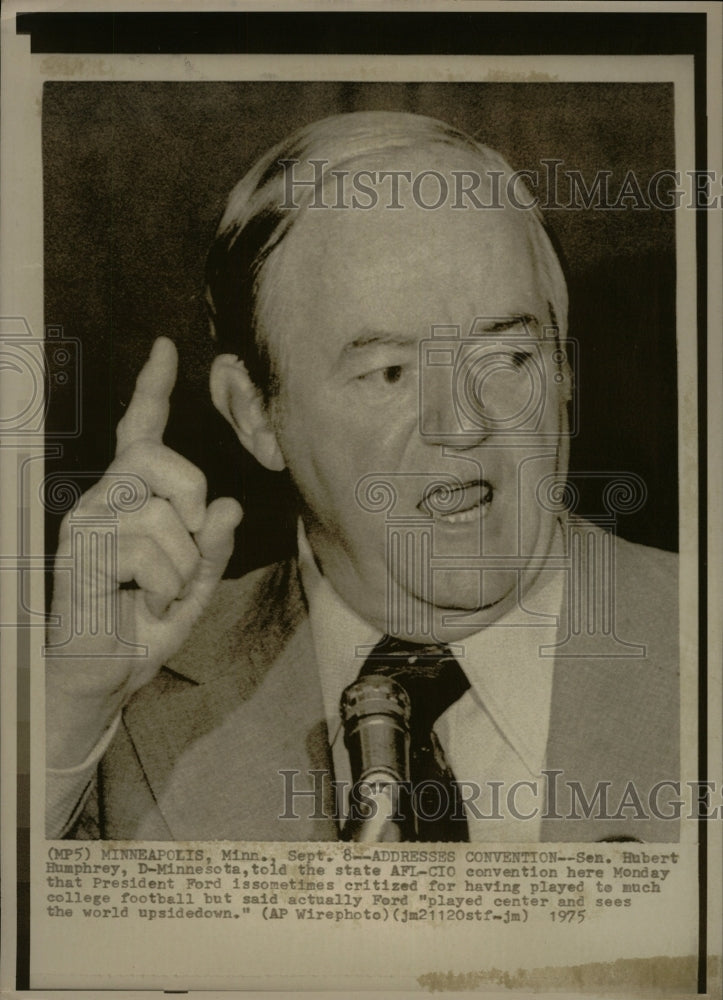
497 731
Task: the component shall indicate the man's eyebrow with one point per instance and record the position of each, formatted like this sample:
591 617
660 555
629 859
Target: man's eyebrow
371 338
508 323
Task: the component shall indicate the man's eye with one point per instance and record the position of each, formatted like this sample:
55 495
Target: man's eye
520 358
391 375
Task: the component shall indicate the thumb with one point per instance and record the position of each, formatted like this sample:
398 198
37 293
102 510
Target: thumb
215 542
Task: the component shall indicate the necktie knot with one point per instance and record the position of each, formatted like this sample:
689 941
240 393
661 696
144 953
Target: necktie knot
429 673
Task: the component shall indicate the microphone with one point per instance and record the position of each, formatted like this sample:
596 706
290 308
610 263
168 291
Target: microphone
376 711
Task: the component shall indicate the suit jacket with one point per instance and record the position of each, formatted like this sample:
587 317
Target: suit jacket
200 749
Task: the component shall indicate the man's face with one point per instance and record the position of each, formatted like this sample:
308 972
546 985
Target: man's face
347 301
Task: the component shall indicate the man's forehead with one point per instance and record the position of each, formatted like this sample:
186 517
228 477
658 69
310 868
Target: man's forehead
383 275
359 262
428 232
409 248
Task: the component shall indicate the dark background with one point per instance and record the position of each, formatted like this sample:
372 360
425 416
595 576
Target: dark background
135 179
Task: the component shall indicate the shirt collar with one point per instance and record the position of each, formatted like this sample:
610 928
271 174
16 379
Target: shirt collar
342 639
509 678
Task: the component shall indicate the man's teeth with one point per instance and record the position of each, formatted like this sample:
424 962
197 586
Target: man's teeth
472 514
467 502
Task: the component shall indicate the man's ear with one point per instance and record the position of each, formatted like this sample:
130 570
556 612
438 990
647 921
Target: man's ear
568 387
236 397
567 380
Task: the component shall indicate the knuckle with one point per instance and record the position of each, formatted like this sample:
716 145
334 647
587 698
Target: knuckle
196 479
92 503
157 512
170 583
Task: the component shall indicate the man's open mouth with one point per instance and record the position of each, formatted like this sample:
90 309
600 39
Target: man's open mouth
457 503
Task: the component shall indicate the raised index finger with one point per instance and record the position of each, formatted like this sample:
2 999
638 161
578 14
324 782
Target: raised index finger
147 411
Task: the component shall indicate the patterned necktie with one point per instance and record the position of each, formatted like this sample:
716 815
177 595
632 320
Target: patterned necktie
433 680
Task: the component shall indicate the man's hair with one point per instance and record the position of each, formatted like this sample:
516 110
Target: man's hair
258 217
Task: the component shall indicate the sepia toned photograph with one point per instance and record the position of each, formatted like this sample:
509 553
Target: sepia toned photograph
389 353
424 480
359 425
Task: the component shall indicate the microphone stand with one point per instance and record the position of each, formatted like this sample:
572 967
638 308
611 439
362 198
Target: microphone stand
376 712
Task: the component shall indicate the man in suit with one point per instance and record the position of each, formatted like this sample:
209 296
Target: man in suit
391 326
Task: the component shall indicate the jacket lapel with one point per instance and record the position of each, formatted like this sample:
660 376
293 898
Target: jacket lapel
240 733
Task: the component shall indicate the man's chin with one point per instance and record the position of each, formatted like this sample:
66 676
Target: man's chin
456 603
453 609
467 592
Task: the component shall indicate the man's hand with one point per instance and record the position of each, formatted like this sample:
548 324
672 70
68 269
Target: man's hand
169 555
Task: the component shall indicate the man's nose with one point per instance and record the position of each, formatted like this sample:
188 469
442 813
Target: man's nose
449 421
460 412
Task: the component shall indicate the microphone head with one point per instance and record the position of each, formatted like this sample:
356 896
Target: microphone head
375 695
376 711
